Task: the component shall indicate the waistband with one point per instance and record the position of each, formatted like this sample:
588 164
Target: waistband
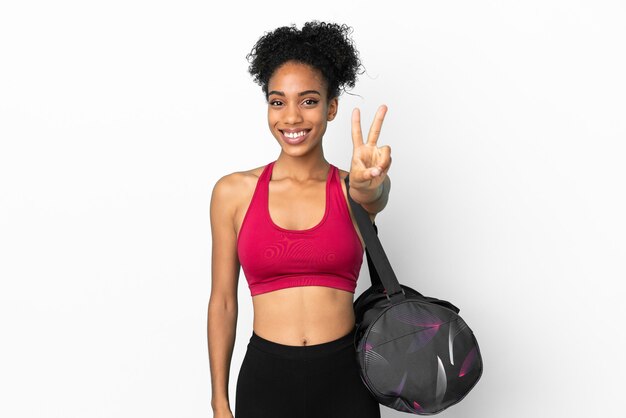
299 351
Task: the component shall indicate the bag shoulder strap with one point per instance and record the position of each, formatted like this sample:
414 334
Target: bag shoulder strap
382 272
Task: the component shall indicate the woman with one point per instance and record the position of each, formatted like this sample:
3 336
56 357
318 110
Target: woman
289 225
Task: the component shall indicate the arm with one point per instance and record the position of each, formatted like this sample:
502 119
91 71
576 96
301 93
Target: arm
223 308
373 200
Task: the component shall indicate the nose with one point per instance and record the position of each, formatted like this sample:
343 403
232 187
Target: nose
292 114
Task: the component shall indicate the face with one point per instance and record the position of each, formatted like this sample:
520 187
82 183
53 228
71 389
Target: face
298 107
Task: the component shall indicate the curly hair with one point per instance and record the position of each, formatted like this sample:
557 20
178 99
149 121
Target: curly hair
324 46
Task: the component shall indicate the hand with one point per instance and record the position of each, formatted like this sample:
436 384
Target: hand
369 163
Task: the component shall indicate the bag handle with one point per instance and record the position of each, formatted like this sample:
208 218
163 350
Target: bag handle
382 271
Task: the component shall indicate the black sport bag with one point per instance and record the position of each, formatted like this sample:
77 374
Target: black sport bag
415 353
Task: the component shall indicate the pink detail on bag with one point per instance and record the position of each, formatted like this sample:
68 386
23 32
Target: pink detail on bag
417 407
467 363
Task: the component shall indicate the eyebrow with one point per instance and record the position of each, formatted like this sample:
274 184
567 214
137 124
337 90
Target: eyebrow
303 93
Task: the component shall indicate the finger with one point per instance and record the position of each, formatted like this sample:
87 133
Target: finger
357 135
383 162
385 158
377 124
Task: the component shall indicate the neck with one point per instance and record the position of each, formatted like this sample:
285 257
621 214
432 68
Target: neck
301 168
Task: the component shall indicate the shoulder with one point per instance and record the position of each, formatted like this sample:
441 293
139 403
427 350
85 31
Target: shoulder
342 174
231 182
230 189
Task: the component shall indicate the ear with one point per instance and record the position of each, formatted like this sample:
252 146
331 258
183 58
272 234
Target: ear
333 105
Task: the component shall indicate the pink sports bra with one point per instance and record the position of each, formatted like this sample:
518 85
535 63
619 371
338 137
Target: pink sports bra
329 254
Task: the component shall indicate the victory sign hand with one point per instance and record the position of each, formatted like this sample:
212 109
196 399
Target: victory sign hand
370 163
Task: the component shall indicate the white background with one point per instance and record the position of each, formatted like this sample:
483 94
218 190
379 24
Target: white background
506 124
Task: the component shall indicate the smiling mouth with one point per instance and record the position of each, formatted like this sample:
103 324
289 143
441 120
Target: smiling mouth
295 137
295 134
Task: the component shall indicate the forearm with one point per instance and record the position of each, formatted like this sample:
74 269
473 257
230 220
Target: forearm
373 200
221 329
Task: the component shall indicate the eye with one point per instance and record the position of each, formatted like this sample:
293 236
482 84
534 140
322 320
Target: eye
310 102
275 103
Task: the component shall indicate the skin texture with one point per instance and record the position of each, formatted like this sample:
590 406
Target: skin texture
304 315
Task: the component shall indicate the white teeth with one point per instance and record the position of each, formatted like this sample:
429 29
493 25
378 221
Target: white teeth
294 135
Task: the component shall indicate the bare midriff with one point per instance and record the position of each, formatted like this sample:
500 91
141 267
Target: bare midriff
304 315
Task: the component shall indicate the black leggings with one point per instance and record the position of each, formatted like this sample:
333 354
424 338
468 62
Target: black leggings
310 381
